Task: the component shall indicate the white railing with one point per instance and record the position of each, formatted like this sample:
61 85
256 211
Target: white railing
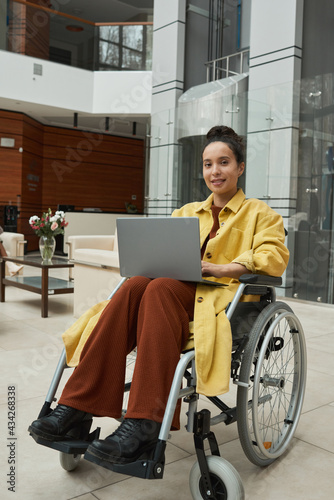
220 68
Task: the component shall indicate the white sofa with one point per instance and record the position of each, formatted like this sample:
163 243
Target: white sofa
96 269
13 244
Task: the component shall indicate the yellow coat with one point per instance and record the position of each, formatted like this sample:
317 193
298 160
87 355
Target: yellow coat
252 234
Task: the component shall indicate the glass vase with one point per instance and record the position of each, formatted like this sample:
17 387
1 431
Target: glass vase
47 246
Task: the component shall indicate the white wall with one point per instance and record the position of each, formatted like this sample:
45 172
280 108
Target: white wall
122 92
76 89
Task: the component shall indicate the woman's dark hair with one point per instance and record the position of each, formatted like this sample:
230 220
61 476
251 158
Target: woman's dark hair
221 133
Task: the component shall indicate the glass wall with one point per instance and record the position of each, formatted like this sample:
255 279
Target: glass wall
313 257
46 34
224 104
290 154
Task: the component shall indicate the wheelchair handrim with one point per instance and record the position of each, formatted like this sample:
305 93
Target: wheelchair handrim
298 386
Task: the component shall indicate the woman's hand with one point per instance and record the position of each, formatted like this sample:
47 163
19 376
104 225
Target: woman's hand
209 269
232 270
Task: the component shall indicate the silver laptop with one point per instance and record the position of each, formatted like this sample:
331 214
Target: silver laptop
160 247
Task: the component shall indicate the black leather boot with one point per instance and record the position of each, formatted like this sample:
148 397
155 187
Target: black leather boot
63 422
130 441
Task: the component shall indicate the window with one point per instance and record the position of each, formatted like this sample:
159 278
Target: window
125 47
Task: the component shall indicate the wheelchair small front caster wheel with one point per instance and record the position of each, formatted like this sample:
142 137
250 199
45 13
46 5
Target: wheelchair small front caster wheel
225 480
69 462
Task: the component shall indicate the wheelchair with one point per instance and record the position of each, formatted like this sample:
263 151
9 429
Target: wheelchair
269 368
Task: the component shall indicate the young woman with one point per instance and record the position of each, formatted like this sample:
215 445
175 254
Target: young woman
238 236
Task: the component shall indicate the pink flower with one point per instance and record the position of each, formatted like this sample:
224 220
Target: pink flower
54 226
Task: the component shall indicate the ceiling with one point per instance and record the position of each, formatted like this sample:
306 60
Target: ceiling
95 11
99 11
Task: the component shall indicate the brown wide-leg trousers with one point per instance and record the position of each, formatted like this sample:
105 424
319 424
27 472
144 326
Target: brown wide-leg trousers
153 315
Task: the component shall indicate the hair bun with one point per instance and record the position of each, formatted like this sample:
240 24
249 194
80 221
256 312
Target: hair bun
220 131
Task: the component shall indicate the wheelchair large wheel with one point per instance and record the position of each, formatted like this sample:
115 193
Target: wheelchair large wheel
225 480
274 369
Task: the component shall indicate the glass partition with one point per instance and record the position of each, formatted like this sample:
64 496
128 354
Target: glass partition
289 164
163 169
194 119
44 33
313 258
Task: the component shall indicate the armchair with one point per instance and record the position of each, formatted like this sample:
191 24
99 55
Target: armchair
13 244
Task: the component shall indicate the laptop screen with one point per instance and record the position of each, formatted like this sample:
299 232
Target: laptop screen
160 247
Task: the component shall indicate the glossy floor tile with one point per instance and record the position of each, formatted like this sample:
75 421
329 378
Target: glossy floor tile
30 347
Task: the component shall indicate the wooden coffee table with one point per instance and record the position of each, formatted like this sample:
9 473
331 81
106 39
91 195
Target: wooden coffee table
43 284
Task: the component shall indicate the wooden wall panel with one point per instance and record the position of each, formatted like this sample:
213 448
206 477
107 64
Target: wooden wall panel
11 126
33 131
84 141
32 178
37 36
92 170
73 158
69 167
17 29
94 186
10 177
29 30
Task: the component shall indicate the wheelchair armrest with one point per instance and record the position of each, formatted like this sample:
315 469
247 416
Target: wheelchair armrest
260 279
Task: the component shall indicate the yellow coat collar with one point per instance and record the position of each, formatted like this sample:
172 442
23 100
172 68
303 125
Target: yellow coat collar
234 204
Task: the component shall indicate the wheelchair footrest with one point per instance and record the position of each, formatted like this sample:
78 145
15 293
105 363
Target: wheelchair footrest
150 465
144 469
70 446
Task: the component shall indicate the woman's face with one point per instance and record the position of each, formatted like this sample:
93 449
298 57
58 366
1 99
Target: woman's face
221 171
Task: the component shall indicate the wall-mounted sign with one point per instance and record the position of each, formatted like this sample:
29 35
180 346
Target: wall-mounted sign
7 142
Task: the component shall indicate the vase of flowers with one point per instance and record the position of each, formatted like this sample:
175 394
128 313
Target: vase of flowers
47 246
47 227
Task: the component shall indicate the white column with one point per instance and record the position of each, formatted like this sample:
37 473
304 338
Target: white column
273 111
273 104
167 87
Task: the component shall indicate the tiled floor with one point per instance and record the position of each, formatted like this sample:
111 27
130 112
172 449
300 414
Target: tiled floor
29 350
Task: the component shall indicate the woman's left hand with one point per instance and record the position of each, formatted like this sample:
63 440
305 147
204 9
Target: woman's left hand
232 270
209 269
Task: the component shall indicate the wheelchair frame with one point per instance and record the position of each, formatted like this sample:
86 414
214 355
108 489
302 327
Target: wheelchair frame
213 477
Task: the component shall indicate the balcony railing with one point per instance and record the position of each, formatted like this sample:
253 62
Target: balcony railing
233 64
38 31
